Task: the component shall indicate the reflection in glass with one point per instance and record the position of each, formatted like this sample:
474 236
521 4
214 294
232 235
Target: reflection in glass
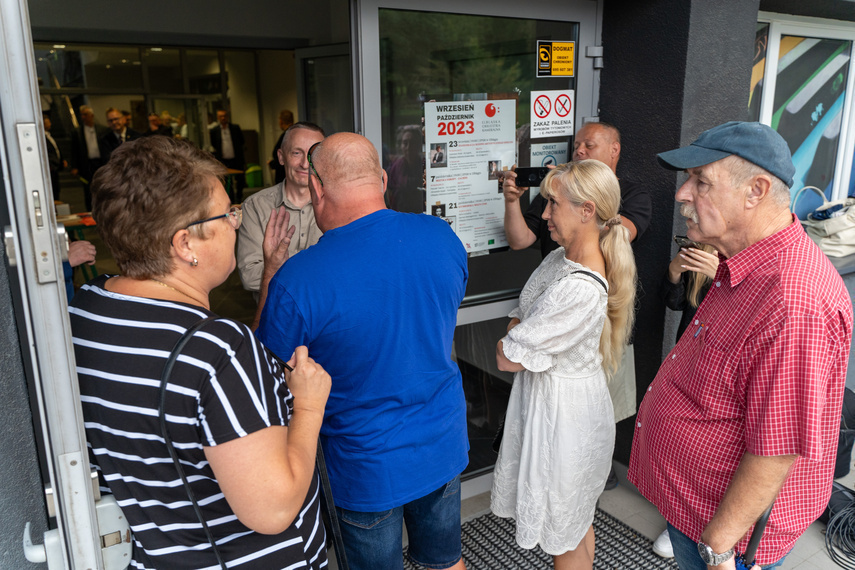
485 387
808 108
756 93
325 79
164 70
435 56
107 67
405 191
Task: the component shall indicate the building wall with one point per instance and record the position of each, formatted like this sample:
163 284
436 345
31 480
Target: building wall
672 69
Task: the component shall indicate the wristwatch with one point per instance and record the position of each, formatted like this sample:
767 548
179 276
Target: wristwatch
711 557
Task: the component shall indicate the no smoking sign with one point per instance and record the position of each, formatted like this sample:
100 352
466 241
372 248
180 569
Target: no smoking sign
552 113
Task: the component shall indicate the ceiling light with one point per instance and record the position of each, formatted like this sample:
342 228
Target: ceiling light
156 49
59 46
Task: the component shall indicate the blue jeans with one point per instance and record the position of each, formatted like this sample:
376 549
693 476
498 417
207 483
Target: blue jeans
373 541
687 556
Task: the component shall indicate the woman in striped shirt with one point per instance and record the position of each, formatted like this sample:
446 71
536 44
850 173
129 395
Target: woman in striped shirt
244 430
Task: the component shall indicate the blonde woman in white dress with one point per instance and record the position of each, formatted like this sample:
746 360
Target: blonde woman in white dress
564 340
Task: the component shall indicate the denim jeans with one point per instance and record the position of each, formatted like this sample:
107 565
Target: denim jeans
687 556
373 541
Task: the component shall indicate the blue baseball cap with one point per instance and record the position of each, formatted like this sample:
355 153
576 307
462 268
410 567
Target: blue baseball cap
755 142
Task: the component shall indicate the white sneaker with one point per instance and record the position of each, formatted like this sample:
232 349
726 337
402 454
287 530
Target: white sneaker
662 545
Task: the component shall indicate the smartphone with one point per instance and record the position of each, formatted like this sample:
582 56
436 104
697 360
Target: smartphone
531 176
683 241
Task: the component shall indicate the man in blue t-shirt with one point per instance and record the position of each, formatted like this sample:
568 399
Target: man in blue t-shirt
376 303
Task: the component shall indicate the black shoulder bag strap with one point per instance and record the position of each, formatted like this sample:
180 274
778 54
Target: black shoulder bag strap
164 380
594 277
328 504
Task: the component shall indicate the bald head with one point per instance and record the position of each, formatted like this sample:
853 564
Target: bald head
348 182
599 141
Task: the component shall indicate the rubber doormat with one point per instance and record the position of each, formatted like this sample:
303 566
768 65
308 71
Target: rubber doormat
488 544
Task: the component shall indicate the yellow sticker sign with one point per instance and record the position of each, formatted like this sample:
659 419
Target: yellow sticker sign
555 59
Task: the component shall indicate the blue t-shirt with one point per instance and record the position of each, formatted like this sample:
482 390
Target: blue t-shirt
376 303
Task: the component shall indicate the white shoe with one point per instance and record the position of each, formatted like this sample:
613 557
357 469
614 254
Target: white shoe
662 545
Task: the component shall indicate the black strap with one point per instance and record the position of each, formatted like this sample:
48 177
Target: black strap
595 277
328 504
338 540
164 380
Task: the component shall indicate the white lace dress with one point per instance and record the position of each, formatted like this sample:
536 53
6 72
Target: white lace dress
559 431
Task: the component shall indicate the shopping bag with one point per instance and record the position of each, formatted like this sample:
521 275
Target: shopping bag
832 225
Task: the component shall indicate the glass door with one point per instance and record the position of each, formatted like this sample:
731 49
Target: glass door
459 57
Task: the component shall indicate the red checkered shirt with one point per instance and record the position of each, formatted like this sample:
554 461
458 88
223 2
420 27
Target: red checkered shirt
761 369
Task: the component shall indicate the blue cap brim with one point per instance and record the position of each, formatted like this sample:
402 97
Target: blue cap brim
690 157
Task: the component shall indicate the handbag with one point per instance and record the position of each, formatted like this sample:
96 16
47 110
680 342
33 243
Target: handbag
832 225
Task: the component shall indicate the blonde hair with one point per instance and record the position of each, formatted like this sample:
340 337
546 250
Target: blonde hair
697 281
591 180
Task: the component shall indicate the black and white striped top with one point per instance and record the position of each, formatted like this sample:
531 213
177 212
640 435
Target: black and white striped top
224 385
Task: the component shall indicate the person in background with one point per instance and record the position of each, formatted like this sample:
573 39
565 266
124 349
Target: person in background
119 133
292 194
744 412
245 431
228 142
79 252
286 119
85 153
406 174
156 127
55 161
564 339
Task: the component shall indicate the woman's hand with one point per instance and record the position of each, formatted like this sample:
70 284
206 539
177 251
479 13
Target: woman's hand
700 261
502 361
691 259
309 382
514 322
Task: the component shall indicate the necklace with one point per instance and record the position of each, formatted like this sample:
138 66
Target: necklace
162 284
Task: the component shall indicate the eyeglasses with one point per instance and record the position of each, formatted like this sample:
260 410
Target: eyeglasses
234 216
312 166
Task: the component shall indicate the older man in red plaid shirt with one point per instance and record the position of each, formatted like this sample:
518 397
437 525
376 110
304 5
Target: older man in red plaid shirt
745 410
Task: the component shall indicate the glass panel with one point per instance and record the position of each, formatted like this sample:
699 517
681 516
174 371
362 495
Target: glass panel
185 116
103 67
756 96
164 70
243 100
485 387
808 108
203 69
451 57
327 82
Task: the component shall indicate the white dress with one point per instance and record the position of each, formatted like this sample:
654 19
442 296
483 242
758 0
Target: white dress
559 430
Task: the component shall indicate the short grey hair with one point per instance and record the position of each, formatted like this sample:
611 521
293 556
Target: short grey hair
742 170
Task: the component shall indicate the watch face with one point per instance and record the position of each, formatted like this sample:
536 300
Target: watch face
706 553
710 557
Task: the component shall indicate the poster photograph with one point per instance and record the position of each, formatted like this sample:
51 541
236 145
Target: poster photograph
474 142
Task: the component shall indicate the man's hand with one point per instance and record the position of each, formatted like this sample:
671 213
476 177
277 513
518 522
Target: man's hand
80 252
277 238
309 382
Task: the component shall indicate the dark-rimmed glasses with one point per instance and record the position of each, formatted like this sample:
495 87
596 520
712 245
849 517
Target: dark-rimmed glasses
235 216
312 166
